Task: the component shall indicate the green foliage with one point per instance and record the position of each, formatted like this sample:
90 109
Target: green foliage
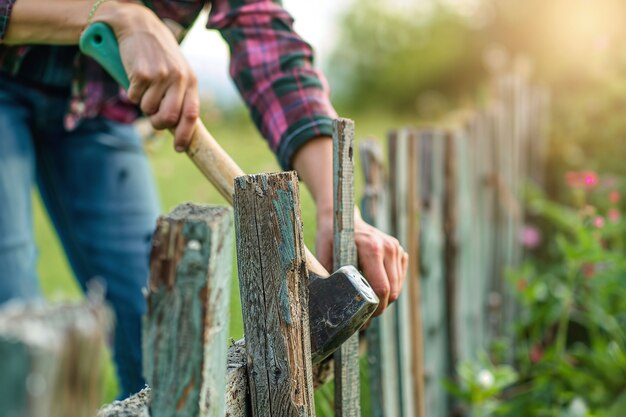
570 347
481 384
389 57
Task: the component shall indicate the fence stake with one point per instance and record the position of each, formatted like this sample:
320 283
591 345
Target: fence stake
273 283
347 383
413 285
398 163
381 354
187 320
51 359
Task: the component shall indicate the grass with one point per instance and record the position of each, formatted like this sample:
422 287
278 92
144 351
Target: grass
179 181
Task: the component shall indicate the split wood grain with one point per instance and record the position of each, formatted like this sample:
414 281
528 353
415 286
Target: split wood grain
186 325
274 293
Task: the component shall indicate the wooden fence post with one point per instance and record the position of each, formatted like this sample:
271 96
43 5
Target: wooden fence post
347 383
466 237
414 291
381 349
51 359
403 188
186 325
433 267
273 282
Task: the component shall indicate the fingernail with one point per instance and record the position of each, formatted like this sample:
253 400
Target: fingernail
179 148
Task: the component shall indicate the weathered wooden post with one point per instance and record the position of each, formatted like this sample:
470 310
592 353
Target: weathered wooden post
413 286
186 325
485 201
51 359
467 272
381 348
273 282
398 186
347 382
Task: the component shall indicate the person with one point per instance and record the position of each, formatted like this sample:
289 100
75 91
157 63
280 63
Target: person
66 127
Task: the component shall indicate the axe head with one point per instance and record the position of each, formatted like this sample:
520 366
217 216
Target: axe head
338 307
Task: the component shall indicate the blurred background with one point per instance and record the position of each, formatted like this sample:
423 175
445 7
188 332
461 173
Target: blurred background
398 62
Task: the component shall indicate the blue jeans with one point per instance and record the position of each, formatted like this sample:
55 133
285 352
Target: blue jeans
98 189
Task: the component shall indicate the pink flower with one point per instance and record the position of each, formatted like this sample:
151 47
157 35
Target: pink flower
582 179
530 237
598 222
614 215
590 179
614 197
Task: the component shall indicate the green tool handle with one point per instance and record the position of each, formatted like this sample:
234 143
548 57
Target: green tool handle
99 42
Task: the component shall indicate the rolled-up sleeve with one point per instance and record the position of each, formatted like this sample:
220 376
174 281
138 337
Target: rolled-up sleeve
273 69
6 6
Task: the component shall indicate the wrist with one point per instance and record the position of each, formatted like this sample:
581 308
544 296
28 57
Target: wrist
120 16
324 213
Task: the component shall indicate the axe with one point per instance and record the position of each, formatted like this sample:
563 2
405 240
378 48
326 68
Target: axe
339 304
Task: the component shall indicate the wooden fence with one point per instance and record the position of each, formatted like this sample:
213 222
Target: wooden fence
450 192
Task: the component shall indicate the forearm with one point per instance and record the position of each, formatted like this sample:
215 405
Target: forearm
314 164
62 21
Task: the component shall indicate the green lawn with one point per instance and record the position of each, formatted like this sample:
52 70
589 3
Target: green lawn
179 181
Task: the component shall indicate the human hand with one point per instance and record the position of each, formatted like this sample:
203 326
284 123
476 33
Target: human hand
161 81
381 258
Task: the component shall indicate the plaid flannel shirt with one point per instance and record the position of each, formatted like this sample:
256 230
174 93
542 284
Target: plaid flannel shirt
271 65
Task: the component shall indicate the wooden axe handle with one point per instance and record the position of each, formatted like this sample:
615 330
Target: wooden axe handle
221 170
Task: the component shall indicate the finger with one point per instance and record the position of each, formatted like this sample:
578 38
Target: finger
401 271
151 99
187 123
404 265
139 83
170 108
374 271
391 268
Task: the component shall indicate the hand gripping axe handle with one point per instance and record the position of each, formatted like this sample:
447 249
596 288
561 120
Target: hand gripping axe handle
339 304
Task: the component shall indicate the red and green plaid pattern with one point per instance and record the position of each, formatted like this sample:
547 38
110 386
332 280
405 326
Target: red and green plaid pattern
270 64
